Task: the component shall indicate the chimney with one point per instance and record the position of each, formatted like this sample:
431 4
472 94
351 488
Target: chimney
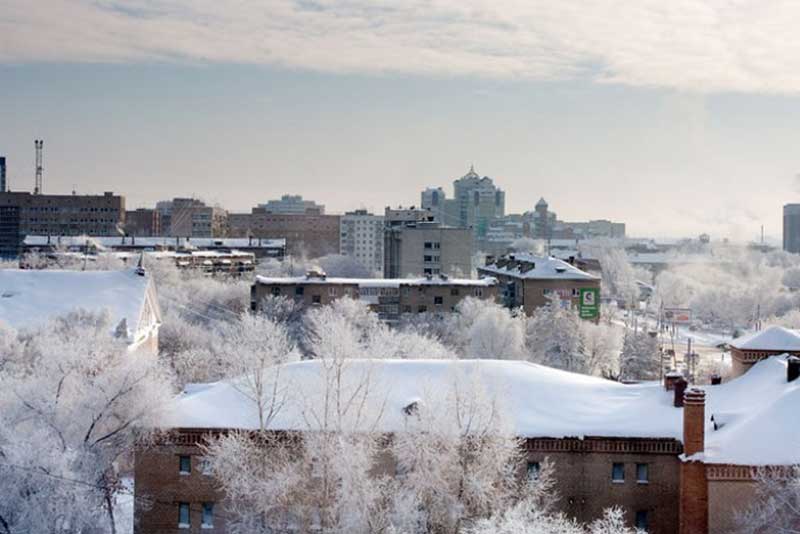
679 387
792 368
693 510
694 421
670 378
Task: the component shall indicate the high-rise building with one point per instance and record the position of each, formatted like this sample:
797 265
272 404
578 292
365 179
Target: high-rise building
479 201
791 228
3 184
293 205
361 238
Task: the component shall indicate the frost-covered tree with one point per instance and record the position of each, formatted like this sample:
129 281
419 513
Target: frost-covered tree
640 358
619 276
601 343
70 410
554 338
457 460
776 506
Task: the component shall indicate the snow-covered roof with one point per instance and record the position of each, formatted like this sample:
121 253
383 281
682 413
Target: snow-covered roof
758 416
29 298
528 266
376 282
542 401
151 242
757 411
773 338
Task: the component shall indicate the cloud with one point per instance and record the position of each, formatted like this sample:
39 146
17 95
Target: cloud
691 45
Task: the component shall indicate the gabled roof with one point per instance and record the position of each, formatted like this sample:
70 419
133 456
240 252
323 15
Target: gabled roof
29 298
773 338
528 266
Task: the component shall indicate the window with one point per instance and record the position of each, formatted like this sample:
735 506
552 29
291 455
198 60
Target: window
642 475
422 309
427 271
208 515
276 291
533 470
641 520
299 290
618 472
184 465
332 291
454 292
428 245
406 309
438 301
316 299
576 292
183 515
427 258
478 292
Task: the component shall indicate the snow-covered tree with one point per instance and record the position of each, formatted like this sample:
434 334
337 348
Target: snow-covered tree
457 460
640 358
554 338
776 506
70 411
601 343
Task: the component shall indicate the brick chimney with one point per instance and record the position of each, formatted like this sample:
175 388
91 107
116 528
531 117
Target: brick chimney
679 387
670 378
694 484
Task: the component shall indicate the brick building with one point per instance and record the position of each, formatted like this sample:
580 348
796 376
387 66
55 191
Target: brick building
23 213
673 461
746 351
389 298
143 222
307 234
529 282
190 217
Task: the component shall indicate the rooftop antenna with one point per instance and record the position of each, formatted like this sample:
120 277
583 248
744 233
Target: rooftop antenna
39 145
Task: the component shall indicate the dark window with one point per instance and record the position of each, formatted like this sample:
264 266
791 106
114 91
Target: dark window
406 309
276 291
618 472
299 290
183 515
422 309
454 291
438 300
428 244
316 299
208 515
426 258
533 470
185 464
427 271
642 473
642 520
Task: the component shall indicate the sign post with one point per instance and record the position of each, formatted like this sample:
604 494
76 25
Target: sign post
589 305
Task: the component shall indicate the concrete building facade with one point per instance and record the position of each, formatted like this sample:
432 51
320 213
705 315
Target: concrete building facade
190 217
427 249
361 238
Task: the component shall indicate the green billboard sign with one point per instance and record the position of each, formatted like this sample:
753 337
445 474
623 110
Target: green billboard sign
589 305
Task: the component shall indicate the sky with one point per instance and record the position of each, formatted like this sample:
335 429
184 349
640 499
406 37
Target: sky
676 117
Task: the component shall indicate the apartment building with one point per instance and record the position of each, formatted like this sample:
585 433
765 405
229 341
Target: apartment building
427 249
529 281
361 238
391 299
293 205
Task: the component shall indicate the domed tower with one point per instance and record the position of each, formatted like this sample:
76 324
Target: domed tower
542 220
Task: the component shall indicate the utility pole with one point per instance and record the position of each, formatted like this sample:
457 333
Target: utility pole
39 146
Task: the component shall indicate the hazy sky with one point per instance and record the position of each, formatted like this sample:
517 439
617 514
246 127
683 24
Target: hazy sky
676 117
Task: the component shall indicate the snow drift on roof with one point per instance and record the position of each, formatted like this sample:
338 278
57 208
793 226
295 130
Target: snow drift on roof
377 282
29 298
774 338
540 401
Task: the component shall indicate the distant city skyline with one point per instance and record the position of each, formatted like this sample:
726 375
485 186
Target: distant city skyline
675 133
